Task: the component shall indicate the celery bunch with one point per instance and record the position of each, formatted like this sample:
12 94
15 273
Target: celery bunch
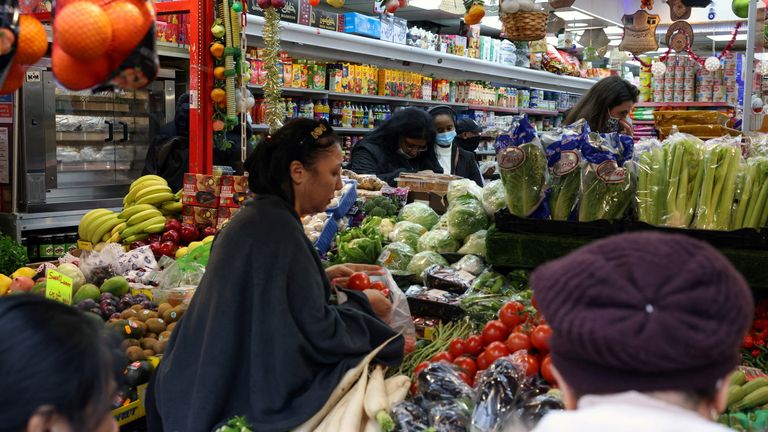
721 164
751 205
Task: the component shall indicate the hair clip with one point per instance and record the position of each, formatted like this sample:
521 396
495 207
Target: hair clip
318 131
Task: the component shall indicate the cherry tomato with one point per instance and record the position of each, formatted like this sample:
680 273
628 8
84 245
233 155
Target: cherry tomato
531 365
483 361
546 370
496 350
466 378
359 281
442 356
457 348
494 331
520 329
540 337
385 292
466 364
509 314
517 342
534 303
474 345
417 370
378 285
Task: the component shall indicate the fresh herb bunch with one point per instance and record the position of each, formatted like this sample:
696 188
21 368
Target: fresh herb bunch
12 255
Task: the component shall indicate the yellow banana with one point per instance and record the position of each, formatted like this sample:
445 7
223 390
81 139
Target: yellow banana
93 225
133 210
156 198
152 190
142 216
87 218
105 227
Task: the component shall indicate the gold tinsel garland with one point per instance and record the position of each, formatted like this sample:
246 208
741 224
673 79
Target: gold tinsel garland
271 34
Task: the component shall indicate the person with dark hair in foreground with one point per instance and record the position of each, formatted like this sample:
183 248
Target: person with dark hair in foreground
265 337
606 106
647 328
404 143
57 369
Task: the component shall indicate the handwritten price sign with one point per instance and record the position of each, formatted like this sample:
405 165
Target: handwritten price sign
58 286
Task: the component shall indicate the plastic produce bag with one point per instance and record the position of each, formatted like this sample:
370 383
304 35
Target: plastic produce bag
466 216
395 257
534 409
607 189
100 266
419 213
450 417
721 164
423 260
400 318
408 233
441 382
442 222
409 417
464 187
475 244
523 167
494 198
652 182
751 204
447 279
499 394
471 264
684 176
104 44
439 241
564 161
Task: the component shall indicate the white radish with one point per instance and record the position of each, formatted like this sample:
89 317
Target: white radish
399 394
394 382
371 426
377 401
353 413
347 381
331 422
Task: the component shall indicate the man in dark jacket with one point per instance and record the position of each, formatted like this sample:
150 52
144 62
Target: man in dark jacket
452 157
403 144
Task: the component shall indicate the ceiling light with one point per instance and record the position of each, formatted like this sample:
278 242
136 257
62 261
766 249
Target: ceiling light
578 24
573 16
727 37
613 30
491 21
425 4
619 37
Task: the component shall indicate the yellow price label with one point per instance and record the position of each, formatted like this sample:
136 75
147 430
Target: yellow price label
58 286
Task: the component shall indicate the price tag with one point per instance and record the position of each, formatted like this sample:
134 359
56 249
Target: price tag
58 286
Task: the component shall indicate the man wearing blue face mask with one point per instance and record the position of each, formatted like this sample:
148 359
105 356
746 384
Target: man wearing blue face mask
453 159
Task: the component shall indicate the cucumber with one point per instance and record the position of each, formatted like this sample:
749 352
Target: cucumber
755 384
738 378
735 394
753 399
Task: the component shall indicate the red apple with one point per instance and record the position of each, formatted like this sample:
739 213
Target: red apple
155 248
208 231
168 248
173 224
137 244
171 236
392 6
189 233
153 238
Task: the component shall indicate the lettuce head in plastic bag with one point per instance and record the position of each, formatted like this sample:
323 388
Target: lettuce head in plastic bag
466 216
396 256
523 167
439 241
423 260
408 233
494 198
442 223
474 244
419 213
464 187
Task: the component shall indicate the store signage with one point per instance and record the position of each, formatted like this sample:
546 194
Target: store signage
58 286
33 76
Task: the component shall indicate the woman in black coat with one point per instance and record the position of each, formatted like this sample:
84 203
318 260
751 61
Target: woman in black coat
453 159
404 143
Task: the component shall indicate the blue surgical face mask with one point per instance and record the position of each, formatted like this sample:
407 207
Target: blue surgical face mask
445 139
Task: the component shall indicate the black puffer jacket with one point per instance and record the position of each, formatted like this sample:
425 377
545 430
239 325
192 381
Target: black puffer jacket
383 160
466 165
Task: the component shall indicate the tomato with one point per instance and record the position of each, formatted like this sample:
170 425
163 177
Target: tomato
540 337
417 370
474 345
517 342
410 344
520 329
378 286
442 356
359 281
496 350
509 314
534 303
531 365
483 361
457 348
466 378
546 370
466 364
494 331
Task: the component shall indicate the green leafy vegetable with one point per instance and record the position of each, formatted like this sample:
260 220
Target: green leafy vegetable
360 251
423 260
408 233
461 188
564 193
474 244
419 213
439 241
382 206
685 175
721 164
396 256
494 198
523 172
12 255
601 199
466 216
653 182
751 208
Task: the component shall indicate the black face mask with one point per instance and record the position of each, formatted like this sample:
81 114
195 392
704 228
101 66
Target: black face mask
469 144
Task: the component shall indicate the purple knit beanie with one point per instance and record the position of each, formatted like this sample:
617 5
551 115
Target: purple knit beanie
645 312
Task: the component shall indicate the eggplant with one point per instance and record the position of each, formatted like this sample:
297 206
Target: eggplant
450 417
409 417
441 382
534 409
499 395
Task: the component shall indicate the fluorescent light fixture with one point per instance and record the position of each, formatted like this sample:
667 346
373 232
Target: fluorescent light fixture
578 24
613 30
618 37
614 42
425 4
727 37
491 21
573 16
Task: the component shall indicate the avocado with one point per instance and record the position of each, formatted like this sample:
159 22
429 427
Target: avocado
117 286
85 292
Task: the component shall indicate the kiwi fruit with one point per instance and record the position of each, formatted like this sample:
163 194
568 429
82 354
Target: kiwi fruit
135 353
144 314
160 346
156 325
137 307
128 314
174 314
149 352
171 326
127 343
150 335
163 307
148 343
164 336
143 325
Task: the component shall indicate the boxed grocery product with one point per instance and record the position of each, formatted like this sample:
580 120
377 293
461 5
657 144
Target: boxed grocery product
400 34
199 216
294 11
362 25
224 215
387 27
201 190
316 76
234 190
325 20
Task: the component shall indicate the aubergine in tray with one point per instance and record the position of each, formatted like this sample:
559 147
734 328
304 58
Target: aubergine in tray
450 417
441 382
448 279
409 417
499 395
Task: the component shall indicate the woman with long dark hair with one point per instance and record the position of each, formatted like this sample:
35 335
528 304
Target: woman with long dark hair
453 159
606 106
404 143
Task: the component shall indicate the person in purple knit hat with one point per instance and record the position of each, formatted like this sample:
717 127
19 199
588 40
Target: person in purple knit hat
646 331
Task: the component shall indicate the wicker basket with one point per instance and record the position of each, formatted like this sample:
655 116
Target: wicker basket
525 26
558 4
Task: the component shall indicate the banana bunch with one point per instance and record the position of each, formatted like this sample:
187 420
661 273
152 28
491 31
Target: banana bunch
173 207
100 225
148 189
141 220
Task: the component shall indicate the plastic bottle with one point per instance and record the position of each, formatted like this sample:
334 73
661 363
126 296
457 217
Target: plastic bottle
345 114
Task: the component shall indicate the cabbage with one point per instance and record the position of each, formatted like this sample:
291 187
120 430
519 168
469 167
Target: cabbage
396 256
494 198
386 227
72 271
466 216
423 260
470 264
439 241
463 187
475 244
419 213
407 232
442 223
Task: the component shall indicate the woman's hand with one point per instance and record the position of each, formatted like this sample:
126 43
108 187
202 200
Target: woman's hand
626 128
380 304
346 270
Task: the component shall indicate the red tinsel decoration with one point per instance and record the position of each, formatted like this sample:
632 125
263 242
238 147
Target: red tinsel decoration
693 55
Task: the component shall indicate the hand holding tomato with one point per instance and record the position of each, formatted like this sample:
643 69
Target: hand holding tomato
346 270
380 304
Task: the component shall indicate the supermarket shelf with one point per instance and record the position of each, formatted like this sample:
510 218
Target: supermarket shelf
168 49
293 90
300 40
261 127
390 99
338 130
494 109
684 105
174 6
535 111
643 122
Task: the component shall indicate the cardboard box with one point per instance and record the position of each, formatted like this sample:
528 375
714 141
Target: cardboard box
294 11
325 20
201 190
387 27
199 216
400 35
234 190
224 215
362 25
